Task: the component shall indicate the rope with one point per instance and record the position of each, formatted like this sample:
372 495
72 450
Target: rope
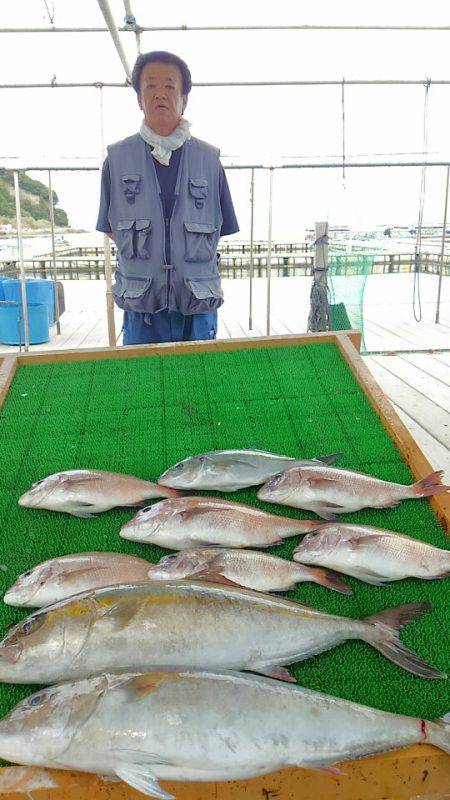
319 315
417 305
51 15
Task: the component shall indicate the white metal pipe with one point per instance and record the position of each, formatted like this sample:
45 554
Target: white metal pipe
269 253
55 274
441 271
362 165
107 246
252 208
306 28
134 26
109 19
26 328
215 84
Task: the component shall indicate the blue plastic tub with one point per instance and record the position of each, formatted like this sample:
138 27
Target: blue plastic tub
39 290
11 323
3 278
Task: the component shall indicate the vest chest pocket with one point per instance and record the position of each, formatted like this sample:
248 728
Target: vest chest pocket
198 188
134 238
200 239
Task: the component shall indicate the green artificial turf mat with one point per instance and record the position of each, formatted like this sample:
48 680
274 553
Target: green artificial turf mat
141 415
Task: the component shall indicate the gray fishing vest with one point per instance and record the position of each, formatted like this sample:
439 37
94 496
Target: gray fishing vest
144 282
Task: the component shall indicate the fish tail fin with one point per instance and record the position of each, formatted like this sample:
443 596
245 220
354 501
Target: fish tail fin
383 634
330 579
330 459
438 732
167 491
430 485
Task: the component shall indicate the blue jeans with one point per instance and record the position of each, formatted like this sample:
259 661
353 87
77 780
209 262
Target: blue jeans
167 326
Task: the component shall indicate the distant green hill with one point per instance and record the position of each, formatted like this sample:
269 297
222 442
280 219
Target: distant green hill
33 201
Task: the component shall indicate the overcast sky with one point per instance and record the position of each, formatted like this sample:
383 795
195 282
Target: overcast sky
260 125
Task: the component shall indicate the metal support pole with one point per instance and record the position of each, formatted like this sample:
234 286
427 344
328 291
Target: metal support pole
109 19
131 24
269 252
319 318
107 247
252 206
55 274
26 328
441 271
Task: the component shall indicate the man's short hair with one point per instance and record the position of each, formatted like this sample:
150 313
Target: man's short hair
161 56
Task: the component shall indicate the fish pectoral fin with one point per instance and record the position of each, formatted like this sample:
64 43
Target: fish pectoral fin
82 514
370 577
277 672
327 510
86 477
80 509
213 576
141 777
366 541
190 513
323 766
123 612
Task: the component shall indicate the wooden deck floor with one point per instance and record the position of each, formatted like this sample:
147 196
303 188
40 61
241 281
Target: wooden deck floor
417 383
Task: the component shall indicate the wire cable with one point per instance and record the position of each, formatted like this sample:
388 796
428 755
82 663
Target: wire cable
51 15
417 305
343 131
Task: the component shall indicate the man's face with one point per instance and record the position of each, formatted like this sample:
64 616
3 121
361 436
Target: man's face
161 97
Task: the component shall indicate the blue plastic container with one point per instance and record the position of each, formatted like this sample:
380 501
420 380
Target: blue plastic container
3 278
11 323
39 291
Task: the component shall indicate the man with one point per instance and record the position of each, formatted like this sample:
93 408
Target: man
165 201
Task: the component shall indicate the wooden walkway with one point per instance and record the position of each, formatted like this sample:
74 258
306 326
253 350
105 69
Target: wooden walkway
417 383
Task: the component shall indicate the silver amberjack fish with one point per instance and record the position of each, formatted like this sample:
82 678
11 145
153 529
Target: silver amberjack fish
204 625
190 725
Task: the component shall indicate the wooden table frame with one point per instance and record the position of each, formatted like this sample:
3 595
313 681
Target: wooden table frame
420 770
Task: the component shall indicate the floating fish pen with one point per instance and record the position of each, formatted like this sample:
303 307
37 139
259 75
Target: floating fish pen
297 395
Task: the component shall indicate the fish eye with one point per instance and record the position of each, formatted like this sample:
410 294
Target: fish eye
38 483
165 560
177 467
274 481
32 625
35 699
27 574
